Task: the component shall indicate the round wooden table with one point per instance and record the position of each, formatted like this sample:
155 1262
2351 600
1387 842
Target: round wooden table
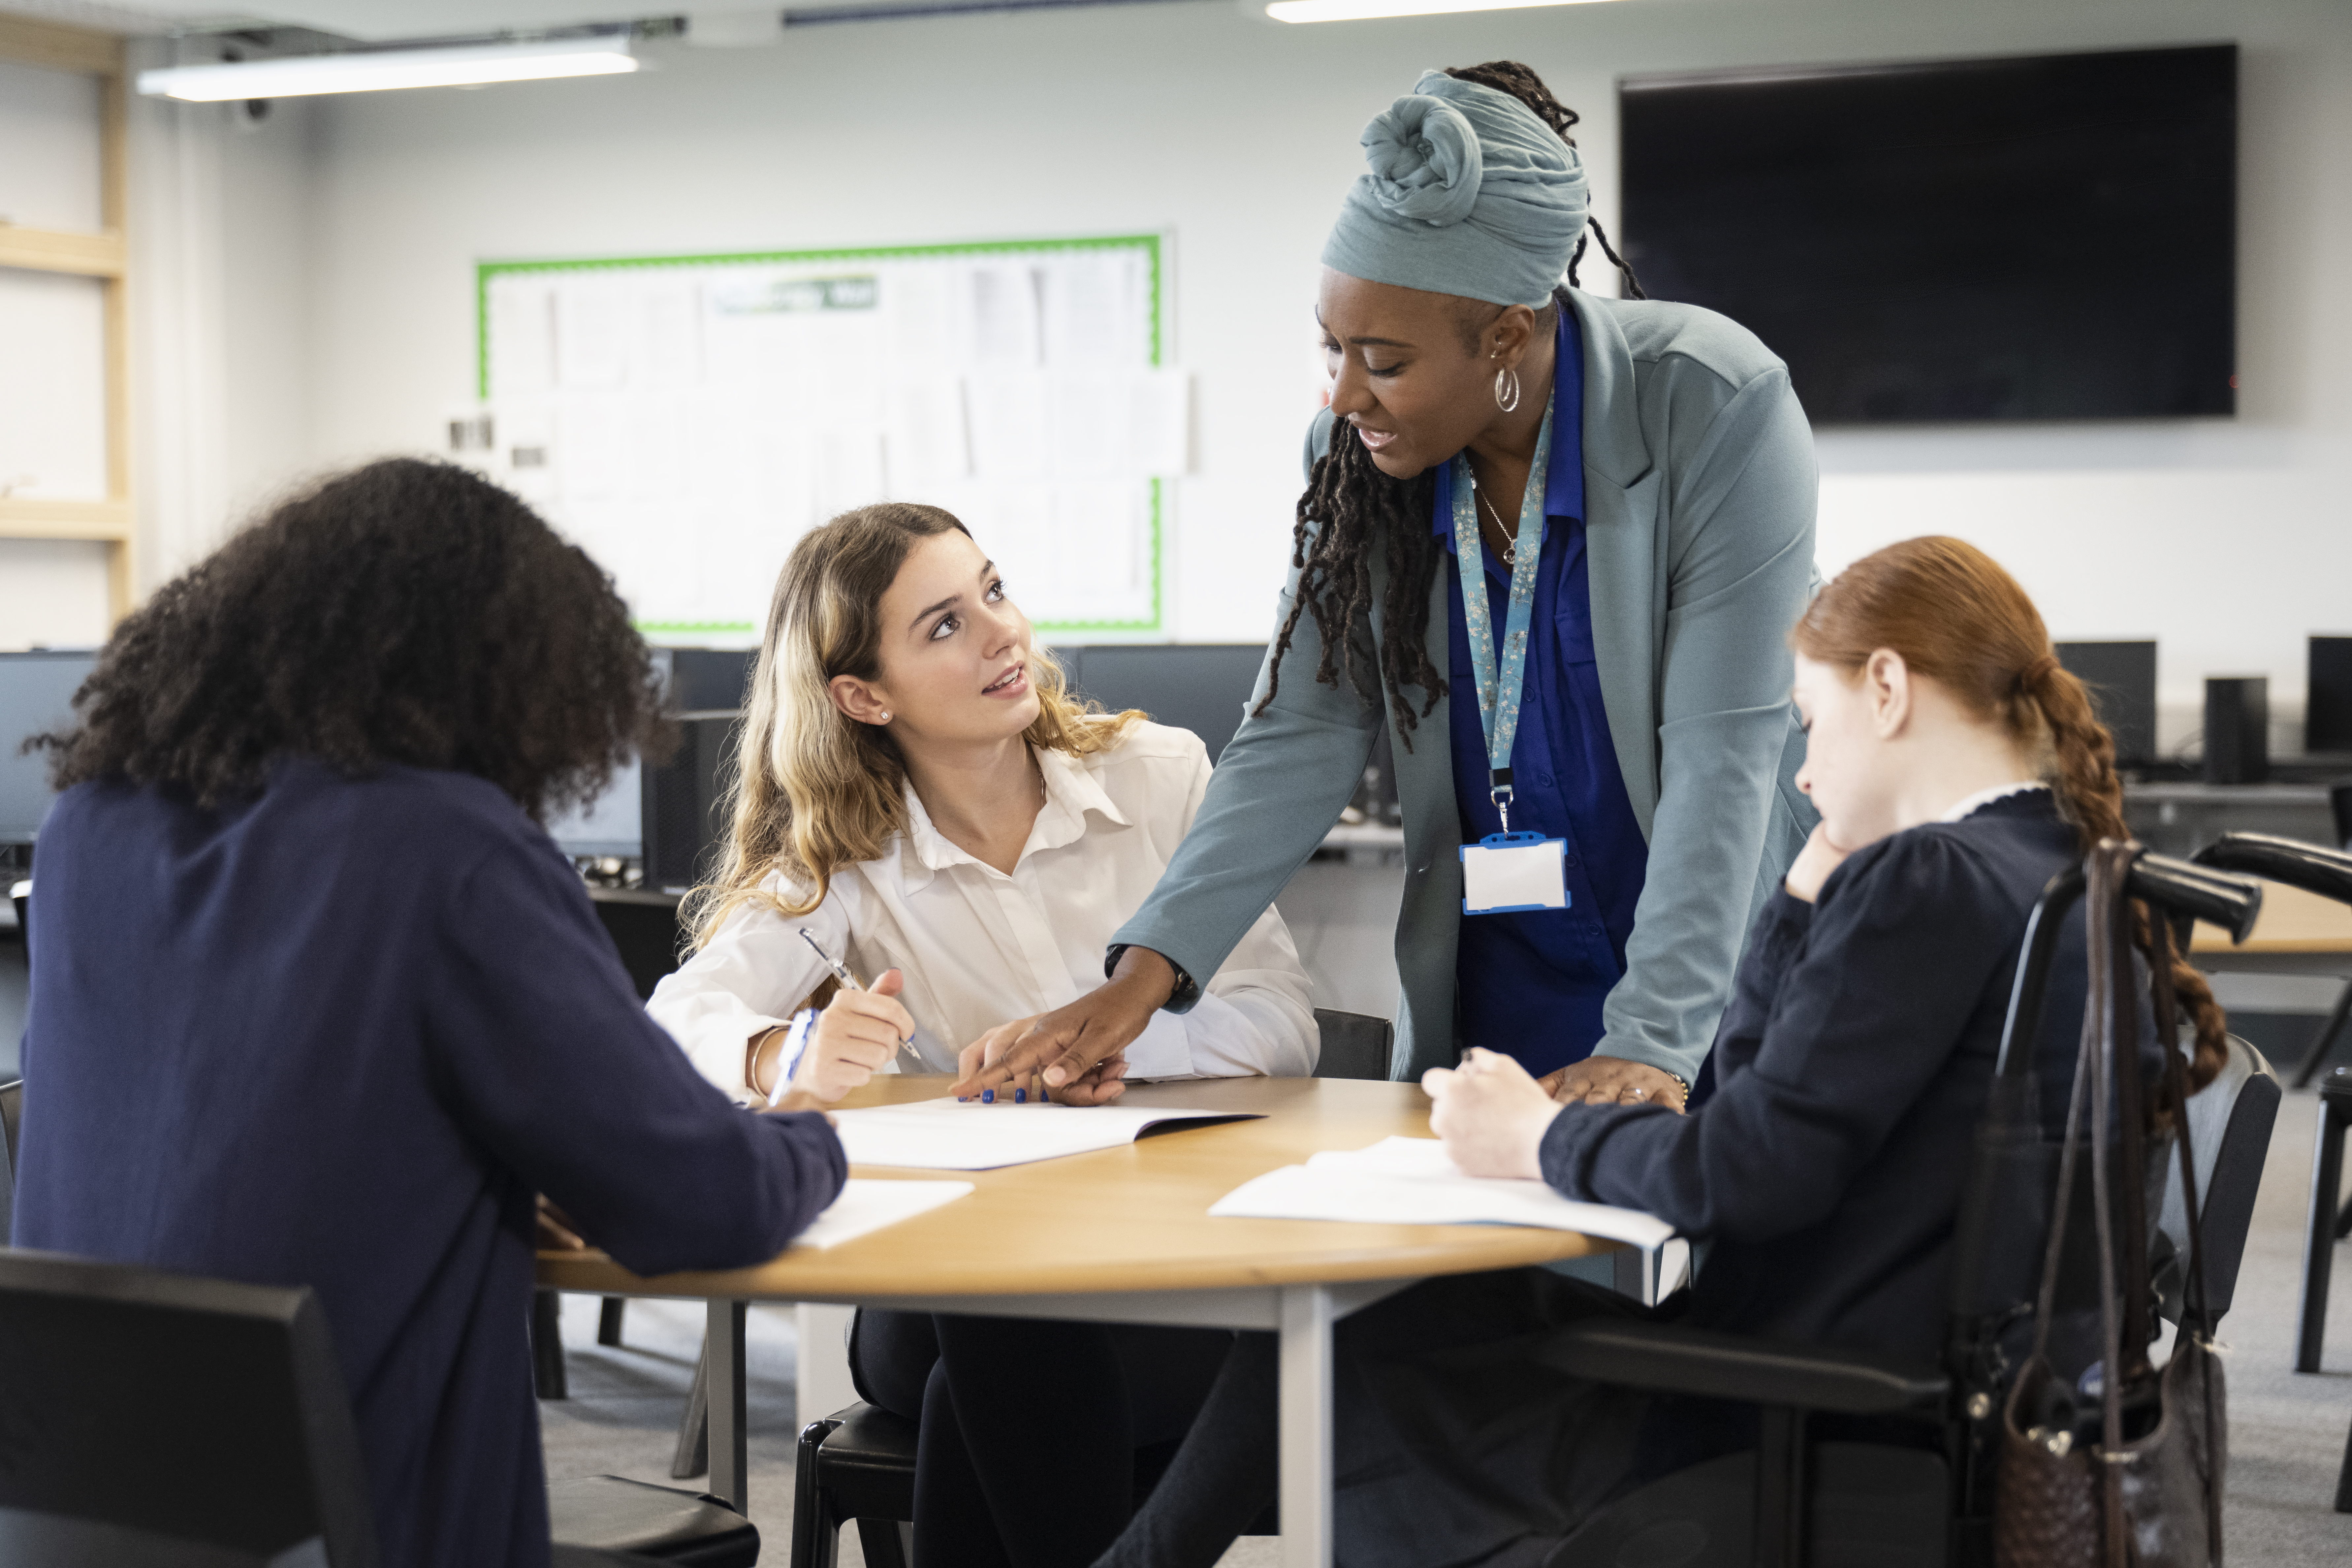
1124 1235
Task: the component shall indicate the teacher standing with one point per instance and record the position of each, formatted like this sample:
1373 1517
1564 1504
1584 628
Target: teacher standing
1555 542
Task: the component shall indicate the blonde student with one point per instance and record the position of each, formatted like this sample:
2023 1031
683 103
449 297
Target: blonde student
917 791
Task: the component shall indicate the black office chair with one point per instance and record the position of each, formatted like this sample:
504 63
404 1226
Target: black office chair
12 1110
2230 1122
1791 1500
2325 872
1352 1045
859 1463
155 1418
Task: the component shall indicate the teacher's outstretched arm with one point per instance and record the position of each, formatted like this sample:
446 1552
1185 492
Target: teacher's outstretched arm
1281 784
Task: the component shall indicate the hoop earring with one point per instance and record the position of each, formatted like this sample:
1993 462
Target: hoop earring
1507 390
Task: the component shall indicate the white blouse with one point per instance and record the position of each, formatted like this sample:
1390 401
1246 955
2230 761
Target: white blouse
981 948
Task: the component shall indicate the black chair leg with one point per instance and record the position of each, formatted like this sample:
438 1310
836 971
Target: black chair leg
547 1344
1779 1539
608 1319
885 1543
817 1535
2309 1067
2319 1245
693 1455
2344 1479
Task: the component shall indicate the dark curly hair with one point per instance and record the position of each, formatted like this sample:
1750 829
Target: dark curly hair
1349 503
405 612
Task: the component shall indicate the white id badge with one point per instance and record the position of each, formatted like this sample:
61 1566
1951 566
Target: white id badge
1505 872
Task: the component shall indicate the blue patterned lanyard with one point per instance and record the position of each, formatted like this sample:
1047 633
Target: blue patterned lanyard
1498 692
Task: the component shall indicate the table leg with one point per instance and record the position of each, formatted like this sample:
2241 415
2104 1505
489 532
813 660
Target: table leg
729 1404
1306 1431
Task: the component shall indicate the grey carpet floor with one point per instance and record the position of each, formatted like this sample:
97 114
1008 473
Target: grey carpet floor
2287 1431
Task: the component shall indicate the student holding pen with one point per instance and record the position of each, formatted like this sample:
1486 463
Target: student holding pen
917 792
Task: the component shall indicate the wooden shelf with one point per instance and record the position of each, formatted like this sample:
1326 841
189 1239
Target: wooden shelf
106 521
53 250
102 256
59 47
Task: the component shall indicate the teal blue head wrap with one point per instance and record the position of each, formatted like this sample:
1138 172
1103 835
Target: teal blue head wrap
1468 193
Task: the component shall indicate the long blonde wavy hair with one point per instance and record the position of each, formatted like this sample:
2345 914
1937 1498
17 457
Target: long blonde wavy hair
814 790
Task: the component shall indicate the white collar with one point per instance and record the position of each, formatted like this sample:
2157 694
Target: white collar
1969 806
1071 791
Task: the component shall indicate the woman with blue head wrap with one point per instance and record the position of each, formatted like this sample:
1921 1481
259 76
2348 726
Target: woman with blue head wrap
1627 487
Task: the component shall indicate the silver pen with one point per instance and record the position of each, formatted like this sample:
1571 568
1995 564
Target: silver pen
849 981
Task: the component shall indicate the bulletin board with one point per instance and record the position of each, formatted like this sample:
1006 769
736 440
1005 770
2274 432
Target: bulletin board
686 418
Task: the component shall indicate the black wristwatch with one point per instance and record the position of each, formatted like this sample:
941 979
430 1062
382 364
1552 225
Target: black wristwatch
1181 999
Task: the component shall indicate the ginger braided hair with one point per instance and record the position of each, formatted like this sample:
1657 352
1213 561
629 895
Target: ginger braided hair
1958 618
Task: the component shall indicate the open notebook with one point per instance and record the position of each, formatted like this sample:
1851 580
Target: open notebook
965 1135
1409 1181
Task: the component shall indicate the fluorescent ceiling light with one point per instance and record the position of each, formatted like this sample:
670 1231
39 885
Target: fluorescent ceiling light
385 70
1367 10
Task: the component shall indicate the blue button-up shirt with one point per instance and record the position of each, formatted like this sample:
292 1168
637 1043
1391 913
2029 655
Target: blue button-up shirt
1531 984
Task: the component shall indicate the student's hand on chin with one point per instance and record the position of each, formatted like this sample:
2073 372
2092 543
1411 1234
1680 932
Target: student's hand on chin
1098 1085
1613 1081
1814 865
1491 1115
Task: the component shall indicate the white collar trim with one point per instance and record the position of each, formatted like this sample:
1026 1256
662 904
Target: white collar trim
1968 806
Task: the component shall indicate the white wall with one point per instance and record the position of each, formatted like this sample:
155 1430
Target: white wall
2228 539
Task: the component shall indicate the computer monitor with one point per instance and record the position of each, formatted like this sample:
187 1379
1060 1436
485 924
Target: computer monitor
1200 687
2327 713
2122 678
36 697
612 824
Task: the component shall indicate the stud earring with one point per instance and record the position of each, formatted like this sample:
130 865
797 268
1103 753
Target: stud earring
885 717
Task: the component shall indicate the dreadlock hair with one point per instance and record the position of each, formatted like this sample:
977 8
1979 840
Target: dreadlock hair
1349 501
1958 618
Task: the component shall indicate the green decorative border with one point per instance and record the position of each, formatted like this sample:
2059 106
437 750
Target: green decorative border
1148 243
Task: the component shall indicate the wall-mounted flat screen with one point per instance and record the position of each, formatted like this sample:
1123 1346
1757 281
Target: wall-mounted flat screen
1997 239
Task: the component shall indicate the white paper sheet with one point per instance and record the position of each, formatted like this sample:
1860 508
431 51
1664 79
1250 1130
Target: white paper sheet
1409 1181
948 1135
865 1207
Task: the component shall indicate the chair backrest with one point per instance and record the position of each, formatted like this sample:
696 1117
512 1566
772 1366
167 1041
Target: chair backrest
2339 803
1355 1045
155 1419
2229 1133
12 1110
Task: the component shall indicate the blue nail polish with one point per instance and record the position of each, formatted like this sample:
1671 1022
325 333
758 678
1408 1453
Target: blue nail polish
988 1097
1020 1097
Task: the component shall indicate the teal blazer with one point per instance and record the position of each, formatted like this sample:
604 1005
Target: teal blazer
1699 488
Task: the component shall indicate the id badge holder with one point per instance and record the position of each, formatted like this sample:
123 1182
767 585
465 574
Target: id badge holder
1506 872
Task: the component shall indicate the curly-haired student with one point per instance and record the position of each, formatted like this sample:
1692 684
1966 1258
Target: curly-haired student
316 1000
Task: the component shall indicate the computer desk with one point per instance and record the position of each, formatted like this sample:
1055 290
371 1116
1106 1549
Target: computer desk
2297 932
1124 1235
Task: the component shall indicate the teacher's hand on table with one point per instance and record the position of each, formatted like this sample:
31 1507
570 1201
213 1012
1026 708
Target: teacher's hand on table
1613 1080
1491 1115
1072 1047
1096 1086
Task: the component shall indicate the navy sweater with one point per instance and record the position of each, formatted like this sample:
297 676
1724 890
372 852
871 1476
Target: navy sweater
1851 1065
338 1035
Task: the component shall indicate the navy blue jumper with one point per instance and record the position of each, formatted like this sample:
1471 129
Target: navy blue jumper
339 1035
